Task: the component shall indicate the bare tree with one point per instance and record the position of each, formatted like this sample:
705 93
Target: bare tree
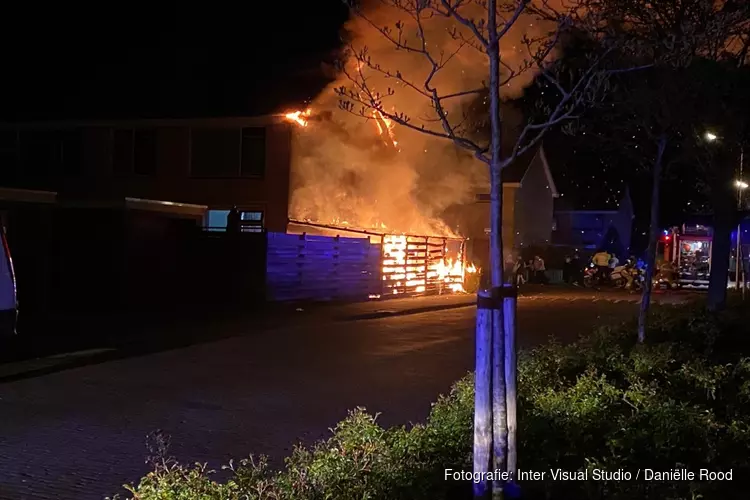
654 117
643 122
478 28
722 104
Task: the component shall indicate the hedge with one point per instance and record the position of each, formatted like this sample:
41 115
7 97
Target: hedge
680 401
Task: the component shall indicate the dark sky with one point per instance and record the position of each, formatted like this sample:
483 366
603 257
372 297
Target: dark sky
138 58
88 59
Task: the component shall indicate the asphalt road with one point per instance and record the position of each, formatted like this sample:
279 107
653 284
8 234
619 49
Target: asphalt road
79 434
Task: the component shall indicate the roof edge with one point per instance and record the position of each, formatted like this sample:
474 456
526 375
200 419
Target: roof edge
548 172
258 120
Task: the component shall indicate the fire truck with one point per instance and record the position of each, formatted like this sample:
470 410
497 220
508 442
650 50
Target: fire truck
688 248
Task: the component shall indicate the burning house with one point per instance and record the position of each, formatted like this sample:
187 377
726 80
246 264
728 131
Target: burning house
360 182
428 211
385 169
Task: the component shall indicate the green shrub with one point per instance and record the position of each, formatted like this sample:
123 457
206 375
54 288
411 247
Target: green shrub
682 401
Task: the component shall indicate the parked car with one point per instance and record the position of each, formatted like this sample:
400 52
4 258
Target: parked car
8 297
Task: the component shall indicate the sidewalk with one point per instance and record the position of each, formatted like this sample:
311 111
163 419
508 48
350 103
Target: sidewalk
107 339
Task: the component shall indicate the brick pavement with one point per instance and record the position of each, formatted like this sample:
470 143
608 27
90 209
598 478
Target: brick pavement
79 434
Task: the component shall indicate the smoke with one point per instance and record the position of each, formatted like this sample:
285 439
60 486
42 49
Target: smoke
346 169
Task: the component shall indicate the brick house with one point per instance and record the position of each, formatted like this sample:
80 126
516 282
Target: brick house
210 162
107 213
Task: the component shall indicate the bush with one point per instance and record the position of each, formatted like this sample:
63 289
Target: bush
680 401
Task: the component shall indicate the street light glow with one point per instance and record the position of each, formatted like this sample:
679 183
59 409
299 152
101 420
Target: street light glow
711 137
740 184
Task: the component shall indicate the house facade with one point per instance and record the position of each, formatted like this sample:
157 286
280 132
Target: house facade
593 229
216 163
528 197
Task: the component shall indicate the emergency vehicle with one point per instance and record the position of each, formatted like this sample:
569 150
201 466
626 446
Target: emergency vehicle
688 248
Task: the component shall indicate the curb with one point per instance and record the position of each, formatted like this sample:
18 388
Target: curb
405 312
66 361
64 364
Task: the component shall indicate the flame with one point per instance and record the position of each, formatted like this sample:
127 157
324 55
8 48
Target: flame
408 267
299 117
385 128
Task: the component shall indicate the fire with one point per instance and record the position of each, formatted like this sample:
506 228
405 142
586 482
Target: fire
413 265
385 128
299 117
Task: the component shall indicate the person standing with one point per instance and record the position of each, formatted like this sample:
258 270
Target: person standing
566 271
233 220
613 262
529 271
540 271
518 272
508 273
601 261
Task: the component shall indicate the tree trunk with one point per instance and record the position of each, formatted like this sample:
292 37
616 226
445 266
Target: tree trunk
511 377
483 396
494 384
653 237
724 199
721 245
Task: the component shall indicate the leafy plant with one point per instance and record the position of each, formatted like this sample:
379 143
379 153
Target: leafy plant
681 400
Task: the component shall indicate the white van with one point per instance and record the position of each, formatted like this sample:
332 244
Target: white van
8 299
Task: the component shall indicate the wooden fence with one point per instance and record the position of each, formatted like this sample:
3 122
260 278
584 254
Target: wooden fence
306 267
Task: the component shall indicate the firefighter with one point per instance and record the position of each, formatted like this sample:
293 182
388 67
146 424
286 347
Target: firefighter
601 261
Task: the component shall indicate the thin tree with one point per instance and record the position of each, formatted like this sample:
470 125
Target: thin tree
723 103
681 37
650 118
479 27
643 120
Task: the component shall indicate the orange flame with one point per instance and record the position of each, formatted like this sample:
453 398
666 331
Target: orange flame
299 117
408 270
385 128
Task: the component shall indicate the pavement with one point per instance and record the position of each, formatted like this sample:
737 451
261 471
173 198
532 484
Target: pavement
107 339
80 433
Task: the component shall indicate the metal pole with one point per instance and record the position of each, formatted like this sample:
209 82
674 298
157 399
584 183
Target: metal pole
738 250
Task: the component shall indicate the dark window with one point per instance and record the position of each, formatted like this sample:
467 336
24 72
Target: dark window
215 152
122 152
8 155
144 152
253 152
72 153
134 152
41 154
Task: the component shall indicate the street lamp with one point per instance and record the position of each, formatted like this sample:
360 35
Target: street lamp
741 185
710 137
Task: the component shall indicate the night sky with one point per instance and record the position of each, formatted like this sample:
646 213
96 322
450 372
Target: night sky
88 59
91 60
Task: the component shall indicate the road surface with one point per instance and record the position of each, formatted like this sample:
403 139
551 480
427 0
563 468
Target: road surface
79 434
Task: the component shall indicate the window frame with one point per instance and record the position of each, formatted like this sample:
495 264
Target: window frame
238 174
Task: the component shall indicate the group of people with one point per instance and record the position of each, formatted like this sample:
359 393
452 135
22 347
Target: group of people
606 263
520 272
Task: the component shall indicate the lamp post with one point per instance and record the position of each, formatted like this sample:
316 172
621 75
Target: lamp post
741 186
